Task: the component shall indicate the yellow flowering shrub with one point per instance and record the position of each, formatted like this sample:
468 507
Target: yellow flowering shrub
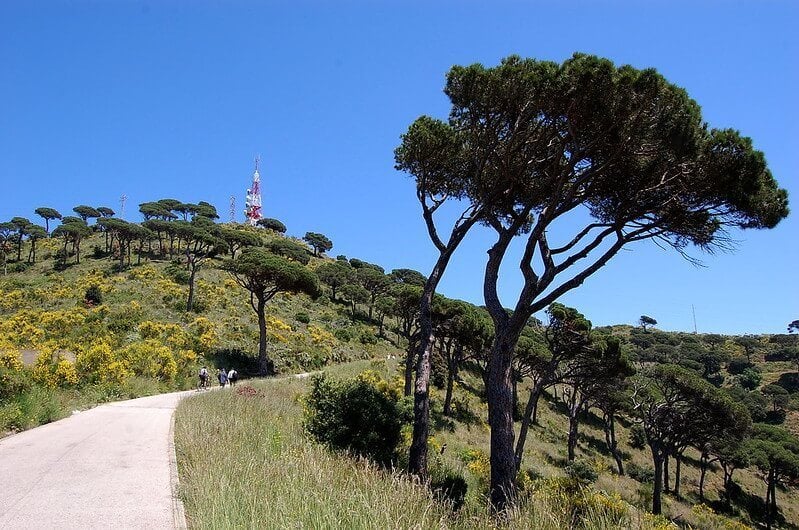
276 329
12 300
150 358
478 464
10 359
169 289
205 333
167 332
54 371
93 277
65 373
322 338
144 272
21 329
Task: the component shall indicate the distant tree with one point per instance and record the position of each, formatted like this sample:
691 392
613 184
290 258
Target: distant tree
72 219
35 233
355 294
406 311
154 210
207 210
264 275
565 337
335 274
201 245
750 378
289 249
778 397
375 282
595 371
775 453
408 277
106 212
793 326
676 409
360 264
74 233
237 239
7 235
645 321
21 224
48 214
749 343
86 212
272 224
319 242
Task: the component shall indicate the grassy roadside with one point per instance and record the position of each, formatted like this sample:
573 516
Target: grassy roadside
245 463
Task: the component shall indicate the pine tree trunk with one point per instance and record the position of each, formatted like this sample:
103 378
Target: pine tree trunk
703 463
574 423
612 443
190 301
527 419
666 473
678 459
500 419
409 358
265 364
657 488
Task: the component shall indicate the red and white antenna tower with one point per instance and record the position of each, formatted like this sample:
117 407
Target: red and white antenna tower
252 209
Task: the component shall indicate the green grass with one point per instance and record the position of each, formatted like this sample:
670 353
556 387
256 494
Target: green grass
245 462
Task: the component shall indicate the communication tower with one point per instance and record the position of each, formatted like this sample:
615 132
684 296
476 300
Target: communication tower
252 209
232 208
122 200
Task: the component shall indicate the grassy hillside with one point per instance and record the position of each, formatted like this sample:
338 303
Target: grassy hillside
73 335
61 352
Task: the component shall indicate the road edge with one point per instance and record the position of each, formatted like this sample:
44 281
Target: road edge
178 510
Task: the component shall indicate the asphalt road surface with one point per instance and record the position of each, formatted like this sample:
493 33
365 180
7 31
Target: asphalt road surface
108 467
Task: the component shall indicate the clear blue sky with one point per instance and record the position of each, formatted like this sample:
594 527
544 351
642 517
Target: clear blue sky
173 99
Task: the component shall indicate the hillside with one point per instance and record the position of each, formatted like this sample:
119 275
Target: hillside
96 313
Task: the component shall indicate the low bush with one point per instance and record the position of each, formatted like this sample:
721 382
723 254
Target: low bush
302 317
355 415
643 474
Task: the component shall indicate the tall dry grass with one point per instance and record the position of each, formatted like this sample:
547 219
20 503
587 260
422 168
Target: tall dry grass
244 462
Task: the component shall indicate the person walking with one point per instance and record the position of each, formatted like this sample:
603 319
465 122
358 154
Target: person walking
232 377
203 385
222 377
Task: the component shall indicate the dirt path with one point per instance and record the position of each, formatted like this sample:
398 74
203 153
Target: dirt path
108 467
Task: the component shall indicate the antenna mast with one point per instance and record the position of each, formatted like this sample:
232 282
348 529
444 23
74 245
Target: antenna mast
122 201
252 209
693 310
232 208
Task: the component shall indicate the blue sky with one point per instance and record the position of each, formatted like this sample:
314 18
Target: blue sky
173 99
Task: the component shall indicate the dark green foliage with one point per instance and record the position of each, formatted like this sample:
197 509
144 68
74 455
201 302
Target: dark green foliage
319 242
272 224
644 474
93 296
355 416
245 363
408 277
178 273
335 274
637 437
237 239
645 321
581 471
302 317
289 249
360 264
750 378
449 486
343 334
48 214
737 365
86 212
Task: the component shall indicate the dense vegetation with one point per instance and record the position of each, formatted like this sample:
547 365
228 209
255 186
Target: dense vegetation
635 418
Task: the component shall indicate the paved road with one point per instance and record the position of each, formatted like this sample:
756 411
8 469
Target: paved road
108 467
